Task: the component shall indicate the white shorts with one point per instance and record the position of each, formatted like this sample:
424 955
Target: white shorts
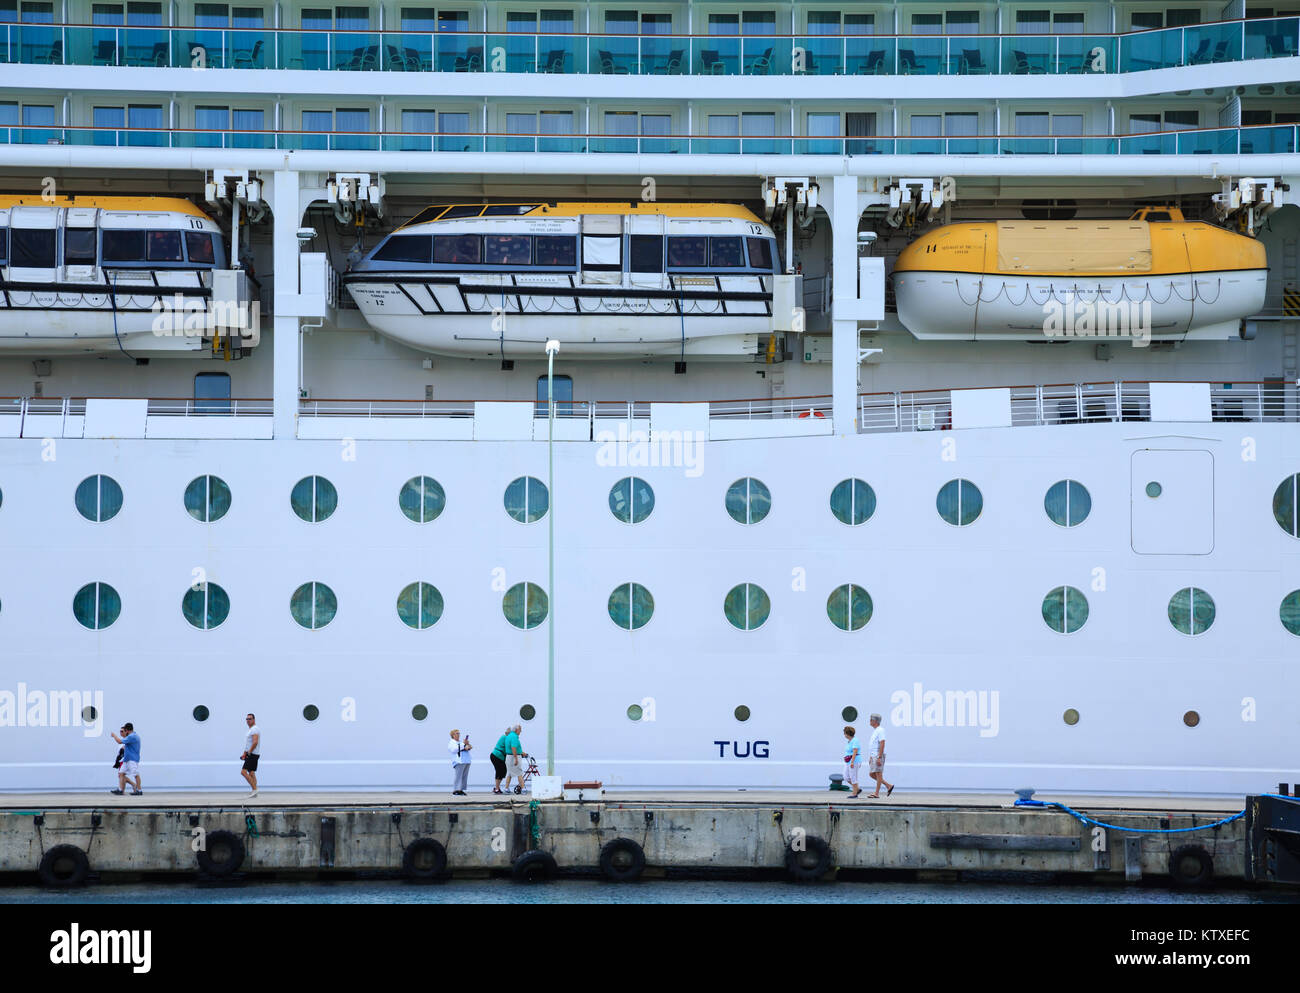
515 765
875 764
851 772
130 769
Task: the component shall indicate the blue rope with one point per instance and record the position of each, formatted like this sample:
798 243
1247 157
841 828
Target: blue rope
1115 827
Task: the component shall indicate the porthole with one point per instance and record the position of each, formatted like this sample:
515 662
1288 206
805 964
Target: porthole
98 498
1154 489
631 606
2 497
1067 503
1071 717
313 605
1191 718
634 712
419 712
849 607
742 713
314 499
1286 505
631 500
748 501
747 606
205 607
1065 610
853 502
527 712
849 714
89 715
1290 612
207 499
200 713
310 712
421 499
959 502
525 605
96 606
527 500
1191 611
419 605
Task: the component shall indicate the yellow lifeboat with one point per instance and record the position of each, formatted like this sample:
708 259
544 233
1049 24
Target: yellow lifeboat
1155 276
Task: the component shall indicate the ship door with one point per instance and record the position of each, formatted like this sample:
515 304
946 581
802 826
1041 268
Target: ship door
645 251
80 240
602 249
33 241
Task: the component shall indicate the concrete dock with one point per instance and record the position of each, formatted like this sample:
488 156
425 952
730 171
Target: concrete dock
72 837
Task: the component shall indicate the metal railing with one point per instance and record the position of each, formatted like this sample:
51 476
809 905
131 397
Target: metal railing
1254 139
648 54
66 407
385 408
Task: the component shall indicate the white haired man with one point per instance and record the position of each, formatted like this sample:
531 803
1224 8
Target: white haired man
876 758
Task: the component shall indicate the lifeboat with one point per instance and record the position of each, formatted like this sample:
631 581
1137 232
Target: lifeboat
603 279
91 274
1154 277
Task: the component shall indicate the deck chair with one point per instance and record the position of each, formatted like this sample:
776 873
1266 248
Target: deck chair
554 61
472 62
711 64
673 67
608 66
105 53
54 57
907 63
1023 65
762 65
972 63
249 57
873 65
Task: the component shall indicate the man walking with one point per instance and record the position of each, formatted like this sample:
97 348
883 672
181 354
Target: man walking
498 758
130 767
515 759
852 760
252 751
459 762
876 758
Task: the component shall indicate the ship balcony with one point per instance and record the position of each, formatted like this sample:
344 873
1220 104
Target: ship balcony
650 54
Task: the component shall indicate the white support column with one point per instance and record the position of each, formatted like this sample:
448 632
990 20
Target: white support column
844 286
286 215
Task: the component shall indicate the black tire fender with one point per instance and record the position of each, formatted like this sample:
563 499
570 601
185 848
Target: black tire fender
64 866
1191 866
810 860
622 860
222 853
533 867
424 859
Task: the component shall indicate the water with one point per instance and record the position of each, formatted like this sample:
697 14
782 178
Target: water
583 891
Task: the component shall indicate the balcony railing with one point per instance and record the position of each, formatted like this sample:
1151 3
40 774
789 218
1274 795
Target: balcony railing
649 55
1255 139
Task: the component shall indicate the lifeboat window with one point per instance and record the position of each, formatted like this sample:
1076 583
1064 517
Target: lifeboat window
4 246
79 246
553 251
687 253
33 248
725 253
165 246
405 248
466 210
123 246
505 249
1157 215
458 249
428 214
647 253
760 254
508 209
198 246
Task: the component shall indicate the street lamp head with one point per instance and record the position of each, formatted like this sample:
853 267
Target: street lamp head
552 347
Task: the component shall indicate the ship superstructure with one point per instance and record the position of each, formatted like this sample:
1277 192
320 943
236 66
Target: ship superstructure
931 360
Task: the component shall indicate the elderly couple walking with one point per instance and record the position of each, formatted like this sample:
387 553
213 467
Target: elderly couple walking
508 760
875 759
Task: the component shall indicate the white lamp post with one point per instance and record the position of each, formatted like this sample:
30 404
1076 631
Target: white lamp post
552 347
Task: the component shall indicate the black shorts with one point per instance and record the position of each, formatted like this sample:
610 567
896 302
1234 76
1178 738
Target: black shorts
499 767
250 762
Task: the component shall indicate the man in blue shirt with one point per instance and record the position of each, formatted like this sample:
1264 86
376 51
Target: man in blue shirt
130 760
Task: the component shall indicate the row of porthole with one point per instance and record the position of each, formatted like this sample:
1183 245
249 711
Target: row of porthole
631 500
1191 718
746 606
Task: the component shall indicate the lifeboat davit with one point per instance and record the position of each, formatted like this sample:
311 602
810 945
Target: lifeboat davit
1154 277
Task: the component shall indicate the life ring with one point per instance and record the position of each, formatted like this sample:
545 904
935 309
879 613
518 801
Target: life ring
533 867
424 858
222 853
63 866
811 413
810 860
622 860
1191 866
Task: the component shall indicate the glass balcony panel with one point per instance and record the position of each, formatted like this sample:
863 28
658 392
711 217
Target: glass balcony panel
971 146
921 56
249 49
972 56
511 53
40 44
1217 142
767 56
605 143
1024 55
408 52
815 55
199 47
665 146
716 56
765 146
1080 54
818 146
1207 44
1151 50
920 146
460 143
356 52
870 146
869 56
557 53
1148 144
250 139
353 142
304 49
715 146
614 55
1268 140
1273 38
459 52
664 55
